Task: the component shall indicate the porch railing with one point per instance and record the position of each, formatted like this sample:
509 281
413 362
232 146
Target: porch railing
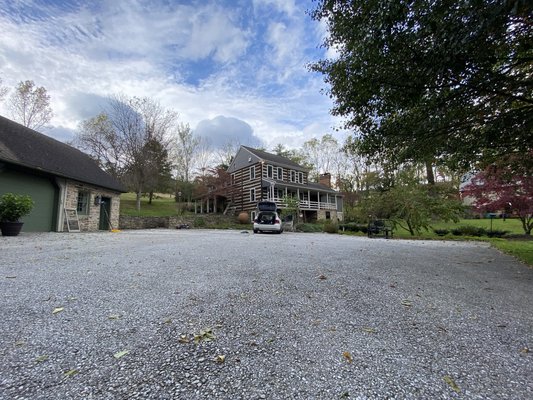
307 204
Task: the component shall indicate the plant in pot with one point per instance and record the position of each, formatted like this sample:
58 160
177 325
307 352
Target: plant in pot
12 208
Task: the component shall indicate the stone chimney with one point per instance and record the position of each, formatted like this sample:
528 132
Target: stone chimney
325 179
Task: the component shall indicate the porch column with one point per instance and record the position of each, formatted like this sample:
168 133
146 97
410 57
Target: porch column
201 206
215 204
207 206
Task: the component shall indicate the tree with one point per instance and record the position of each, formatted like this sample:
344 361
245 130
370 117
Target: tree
424 80
30 105
186 146
506 185
323 154
3 91
130 139
409 203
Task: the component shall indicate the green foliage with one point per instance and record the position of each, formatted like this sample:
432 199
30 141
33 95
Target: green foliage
410 204
292 207
331 227
353 227
307 227
468 230
199 222
14 206
426 79
441 232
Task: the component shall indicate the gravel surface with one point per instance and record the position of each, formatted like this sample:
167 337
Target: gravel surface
291 316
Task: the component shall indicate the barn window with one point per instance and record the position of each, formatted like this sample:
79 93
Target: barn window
82 205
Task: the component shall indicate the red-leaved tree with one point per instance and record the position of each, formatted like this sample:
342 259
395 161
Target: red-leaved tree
507 186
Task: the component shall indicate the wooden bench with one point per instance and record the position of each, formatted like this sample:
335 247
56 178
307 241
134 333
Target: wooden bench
380 227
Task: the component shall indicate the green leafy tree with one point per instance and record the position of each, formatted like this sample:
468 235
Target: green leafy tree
424 80
291 207
411 204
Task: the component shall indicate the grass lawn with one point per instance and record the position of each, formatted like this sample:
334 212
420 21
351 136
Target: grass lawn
521 249
162 206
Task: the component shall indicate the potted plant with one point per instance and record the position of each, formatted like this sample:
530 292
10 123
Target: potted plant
12 208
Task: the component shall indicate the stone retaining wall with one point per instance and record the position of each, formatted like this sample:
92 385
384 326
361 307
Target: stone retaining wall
194 221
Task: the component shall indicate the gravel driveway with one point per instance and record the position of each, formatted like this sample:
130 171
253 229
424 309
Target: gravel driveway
291 316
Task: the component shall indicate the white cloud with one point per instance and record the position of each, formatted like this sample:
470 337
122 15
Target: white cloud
253 67
286 6
221 131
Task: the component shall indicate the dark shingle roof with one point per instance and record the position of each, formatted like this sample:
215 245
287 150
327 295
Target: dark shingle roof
26 147
274 158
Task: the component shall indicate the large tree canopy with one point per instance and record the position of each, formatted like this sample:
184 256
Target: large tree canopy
423 78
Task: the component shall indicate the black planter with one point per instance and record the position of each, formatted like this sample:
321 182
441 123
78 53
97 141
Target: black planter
11 228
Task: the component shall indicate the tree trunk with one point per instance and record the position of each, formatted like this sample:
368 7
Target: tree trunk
138 201
151 196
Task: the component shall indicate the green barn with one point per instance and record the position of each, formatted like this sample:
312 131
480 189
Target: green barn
60 179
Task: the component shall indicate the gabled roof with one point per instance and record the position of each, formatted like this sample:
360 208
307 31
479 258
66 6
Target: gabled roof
28 148
274 158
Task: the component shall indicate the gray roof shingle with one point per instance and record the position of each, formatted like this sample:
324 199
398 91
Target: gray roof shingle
275 158
25 147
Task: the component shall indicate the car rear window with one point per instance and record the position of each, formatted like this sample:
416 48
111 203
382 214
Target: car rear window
266 206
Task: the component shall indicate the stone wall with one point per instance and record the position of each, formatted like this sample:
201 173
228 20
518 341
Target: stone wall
333 214
91 220
194 221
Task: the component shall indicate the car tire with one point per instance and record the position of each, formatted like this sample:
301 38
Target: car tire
256 231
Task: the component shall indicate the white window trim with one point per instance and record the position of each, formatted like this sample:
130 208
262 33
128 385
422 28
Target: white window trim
252 194
252 172
270 169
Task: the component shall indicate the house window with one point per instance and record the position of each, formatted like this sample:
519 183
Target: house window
270 171
233 179
280 174
328 215
293 176
300 177
252 194
252 173
82 205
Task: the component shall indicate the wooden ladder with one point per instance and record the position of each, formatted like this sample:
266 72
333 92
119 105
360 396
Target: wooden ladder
73 223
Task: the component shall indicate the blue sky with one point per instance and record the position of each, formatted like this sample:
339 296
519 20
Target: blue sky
233 69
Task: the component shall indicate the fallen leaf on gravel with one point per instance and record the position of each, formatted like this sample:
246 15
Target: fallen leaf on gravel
502 325
525 350
220 358
183 339
58 310
205 335
345 395
114 316
71 372
20 343
41 358
407 303
369 330
322 277
11 277
452 383
167 321
348 356
121 354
